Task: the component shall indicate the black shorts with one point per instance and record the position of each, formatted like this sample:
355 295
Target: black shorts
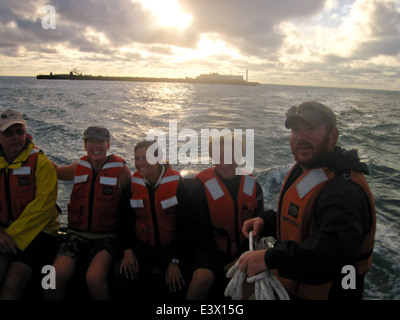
202 260
40 252
215 264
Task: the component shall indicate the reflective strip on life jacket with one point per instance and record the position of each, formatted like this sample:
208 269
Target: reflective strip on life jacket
80 179
249 185
214 188
22 171
310 181
170 179
137 203
109 181
165 204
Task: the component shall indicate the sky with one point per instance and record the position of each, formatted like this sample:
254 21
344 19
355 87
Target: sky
349 43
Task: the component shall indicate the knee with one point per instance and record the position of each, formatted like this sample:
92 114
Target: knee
95 280
65 269
205 277
10 286
97 284
200 284
15 281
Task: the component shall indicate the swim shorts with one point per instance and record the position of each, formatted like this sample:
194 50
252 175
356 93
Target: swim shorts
78 247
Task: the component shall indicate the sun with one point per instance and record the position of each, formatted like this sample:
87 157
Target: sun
168 13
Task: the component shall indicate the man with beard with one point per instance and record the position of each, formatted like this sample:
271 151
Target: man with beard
326 217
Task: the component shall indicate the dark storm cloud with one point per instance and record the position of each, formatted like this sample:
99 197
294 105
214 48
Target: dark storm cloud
122 21
248 25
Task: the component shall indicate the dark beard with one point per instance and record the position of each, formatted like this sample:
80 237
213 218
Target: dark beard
319 158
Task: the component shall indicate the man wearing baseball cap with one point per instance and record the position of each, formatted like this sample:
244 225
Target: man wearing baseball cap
28 212
326 217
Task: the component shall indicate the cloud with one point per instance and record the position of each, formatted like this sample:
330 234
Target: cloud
383 30
274 39
122 22
249 25
345 40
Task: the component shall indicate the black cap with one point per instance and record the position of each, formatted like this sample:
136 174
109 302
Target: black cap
313 112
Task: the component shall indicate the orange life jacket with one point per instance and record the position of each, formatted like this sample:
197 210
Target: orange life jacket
227 224
94 204
21 188
296 223
155 228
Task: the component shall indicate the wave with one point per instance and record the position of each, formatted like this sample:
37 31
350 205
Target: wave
271 180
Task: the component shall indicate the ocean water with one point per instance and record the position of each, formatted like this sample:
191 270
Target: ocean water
57 112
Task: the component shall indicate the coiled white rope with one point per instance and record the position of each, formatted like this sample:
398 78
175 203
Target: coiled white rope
266 285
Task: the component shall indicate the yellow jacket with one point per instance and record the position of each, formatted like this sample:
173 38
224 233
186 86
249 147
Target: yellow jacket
41 214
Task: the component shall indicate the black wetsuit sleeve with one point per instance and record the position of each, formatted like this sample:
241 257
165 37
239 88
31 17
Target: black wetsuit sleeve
182 245
204 236
126 225
270 225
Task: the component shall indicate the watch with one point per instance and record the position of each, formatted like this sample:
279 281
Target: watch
174 260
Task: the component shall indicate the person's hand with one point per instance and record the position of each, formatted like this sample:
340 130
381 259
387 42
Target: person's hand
253 263
129 265
7 243
173 277
256 225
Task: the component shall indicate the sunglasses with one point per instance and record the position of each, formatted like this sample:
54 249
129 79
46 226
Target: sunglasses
10 133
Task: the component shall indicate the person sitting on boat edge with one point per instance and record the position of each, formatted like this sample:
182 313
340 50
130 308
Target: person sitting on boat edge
326 218
222 201
92 216
156 231
28 211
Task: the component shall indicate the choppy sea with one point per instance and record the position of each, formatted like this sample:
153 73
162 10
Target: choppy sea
58 111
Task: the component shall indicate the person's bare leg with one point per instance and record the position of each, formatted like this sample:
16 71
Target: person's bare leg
15 281
97 276
4 261
200 285
65 269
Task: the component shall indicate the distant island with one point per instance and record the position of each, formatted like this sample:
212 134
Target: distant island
212 78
